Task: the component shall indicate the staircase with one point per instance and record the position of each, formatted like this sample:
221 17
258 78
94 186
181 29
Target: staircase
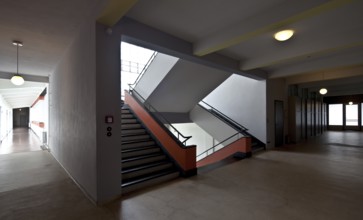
257 145
144 163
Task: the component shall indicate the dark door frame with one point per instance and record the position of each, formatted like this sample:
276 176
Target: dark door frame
279 123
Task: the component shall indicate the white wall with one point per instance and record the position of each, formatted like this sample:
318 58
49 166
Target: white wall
185 85
39 113
6 118
215 127
155 73
72 91
244 100
200 138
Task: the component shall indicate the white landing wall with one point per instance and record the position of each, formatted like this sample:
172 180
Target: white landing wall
244 100
218 129
200 138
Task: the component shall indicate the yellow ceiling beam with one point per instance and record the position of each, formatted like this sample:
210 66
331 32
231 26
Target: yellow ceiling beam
330 5
114 11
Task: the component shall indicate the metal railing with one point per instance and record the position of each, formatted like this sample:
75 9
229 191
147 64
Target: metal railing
241 130
131 66
223 117
160 118
219 146
144 69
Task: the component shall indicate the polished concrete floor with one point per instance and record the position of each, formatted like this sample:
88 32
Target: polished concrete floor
319 179
20 140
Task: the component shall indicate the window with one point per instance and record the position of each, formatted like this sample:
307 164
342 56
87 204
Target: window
351 115
336 114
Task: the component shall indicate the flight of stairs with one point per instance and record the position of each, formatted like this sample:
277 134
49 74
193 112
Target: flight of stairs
143 161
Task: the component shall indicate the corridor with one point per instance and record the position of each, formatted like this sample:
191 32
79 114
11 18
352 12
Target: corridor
20 140
319 179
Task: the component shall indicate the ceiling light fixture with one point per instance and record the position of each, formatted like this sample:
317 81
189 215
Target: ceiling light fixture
323 91
283 35
17 79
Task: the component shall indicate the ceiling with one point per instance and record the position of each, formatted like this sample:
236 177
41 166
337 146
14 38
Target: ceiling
328 33
46 29
20 96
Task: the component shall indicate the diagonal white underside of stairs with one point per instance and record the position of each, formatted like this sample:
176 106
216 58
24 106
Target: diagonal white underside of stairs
184 86
155 73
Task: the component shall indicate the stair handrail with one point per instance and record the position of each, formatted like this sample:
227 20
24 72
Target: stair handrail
215 146
152 57
148 106
224 116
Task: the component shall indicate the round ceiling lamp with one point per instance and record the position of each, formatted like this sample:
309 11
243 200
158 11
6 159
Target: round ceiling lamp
323 91
17 79
284 35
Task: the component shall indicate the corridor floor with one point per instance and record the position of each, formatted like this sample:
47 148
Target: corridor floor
20 140
319 179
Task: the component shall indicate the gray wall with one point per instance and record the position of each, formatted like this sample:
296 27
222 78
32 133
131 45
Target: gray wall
72 112
276 90
83 90
108 93
244 100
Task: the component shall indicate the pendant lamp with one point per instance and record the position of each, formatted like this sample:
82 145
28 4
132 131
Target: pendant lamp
17 79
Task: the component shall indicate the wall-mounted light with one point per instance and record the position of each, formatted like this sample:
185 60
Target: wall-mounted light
323 91
17 79
350 103
283 35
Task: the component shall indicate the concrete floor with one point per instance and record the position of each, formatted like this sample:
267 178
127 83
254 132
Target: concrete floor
20 140
319 179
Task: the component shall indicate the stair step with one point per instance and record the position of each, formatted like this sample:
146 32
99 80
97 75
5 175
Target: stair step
130 126
142 160
135 144
258 148
125 111
139 171
139 137
133 131
127 116
129 121
139 151
149 181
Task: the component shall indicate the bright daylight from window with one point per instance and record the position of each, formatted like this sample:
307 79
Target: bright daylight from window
133 60
336 114
351 115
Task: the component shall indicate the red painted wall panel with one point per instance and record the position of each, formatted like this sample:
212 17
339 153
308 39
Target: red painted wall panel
241 145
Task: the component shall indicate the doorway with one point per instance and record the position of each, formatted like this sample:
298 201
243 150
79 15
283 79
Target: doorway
21 117
279 123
